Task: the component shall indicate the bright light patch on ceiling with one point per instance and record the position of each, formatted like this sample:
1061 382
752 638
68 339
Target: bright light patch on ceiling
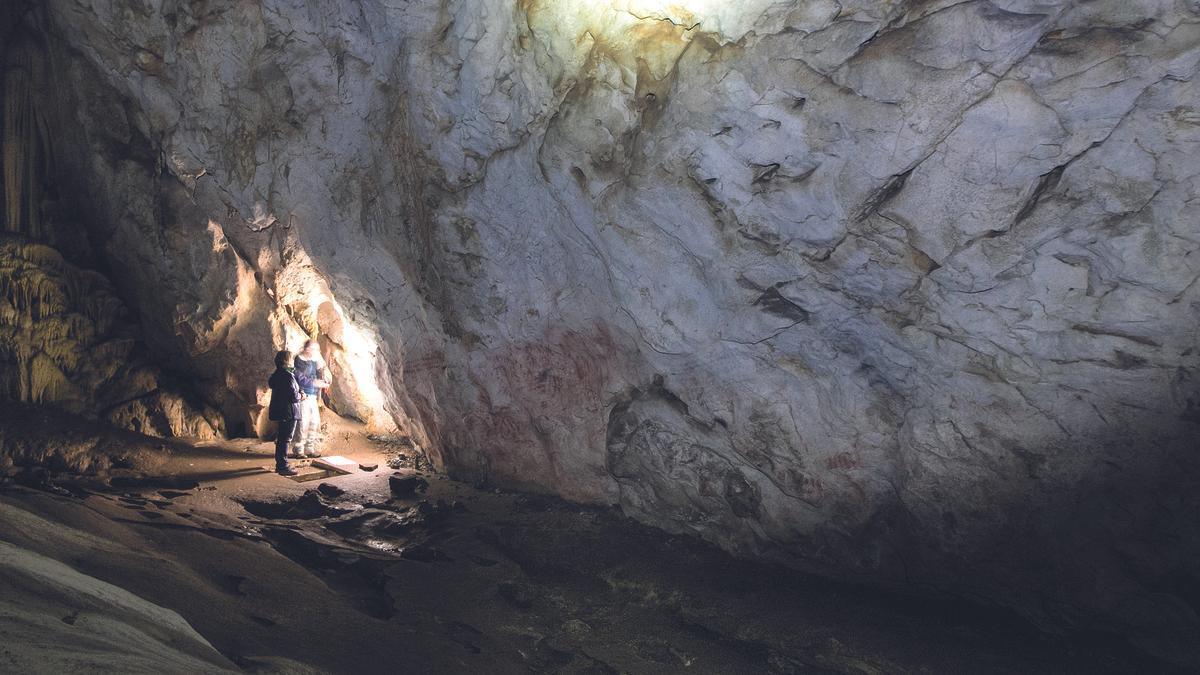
654 32
729 19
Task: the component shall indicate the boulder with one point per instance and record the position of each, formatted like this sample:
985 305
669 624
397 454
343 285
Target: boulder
406 486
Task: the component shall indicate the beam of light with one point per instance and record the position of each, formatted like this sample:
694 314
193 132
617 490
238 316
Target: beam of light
306 307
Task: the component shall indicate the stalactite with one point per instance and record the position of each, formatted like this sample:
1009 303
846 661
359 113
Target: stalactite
48 383
8 314
25 141
51 311
63 343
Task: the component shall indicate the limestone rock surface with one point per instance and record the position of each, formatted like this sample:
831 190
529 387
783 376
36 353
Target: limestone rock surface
66 341
905 291
56 619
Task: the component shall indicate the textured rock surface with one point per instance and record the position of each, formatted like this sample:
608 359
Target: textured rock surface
66 341
56 619
39 442
905 289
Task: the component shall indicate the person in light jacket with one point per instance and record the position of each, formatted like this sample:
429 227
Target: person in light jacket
313 376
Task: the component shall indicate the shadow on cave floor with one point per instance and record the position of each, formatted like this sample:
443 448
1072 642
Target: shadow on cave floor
362 573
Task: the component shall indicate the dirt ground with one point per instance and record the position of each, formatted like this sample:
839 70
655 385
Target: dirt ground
344 574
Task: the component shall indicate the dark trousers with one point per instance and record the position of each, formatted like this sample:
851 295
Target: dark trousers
283 436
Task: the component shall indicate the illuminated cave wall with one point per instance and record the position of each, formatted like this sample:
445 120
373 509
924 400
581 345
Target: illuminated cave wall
906 290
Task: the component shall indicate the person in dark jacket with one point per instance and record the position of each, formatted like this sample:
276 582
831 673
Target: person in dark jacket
284 408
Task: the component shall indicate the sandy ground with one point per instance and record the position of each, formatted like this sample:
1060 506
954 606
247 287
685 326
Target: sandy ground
281 577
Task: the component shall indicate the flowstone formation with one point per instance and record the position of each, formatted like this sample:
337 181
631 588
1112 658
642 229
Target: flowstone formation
904 291
66 342
25 138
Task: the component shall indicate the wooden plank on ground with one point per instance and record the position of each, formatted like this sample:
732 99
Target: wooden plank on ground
335 463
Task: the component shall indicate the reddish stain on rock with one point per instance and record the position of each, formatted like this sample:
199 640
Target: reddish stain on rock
843 460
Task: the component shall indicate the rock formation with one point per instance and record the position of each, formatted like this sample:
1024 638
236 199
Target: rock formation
65 338
65 342
44 600
25 138
901 290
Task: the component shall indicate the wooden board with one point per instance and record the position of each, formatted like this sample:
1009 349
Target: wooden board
335 463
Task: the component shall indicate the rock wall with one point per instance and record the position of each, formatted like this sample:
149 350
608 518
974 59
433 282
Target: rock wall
901 290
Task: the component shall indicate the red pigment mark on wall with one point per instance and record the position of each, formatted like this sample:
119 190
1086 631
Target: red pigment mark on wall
505 427
557 374
811 490
560 377
843 460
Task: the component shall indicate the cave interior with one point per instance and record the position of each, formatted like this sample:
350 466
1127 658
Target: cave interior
779 336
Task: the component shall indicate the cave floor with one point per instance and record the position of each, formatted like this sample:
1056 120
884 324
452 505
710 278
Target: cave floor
281 577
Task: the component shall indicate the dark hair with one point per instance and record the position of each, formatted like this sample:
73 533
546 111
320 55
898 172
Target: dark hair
311 341
283 359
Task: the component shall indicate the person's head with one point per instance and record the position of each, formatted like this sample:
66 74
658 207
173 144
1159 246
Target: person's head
283 359
312 350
